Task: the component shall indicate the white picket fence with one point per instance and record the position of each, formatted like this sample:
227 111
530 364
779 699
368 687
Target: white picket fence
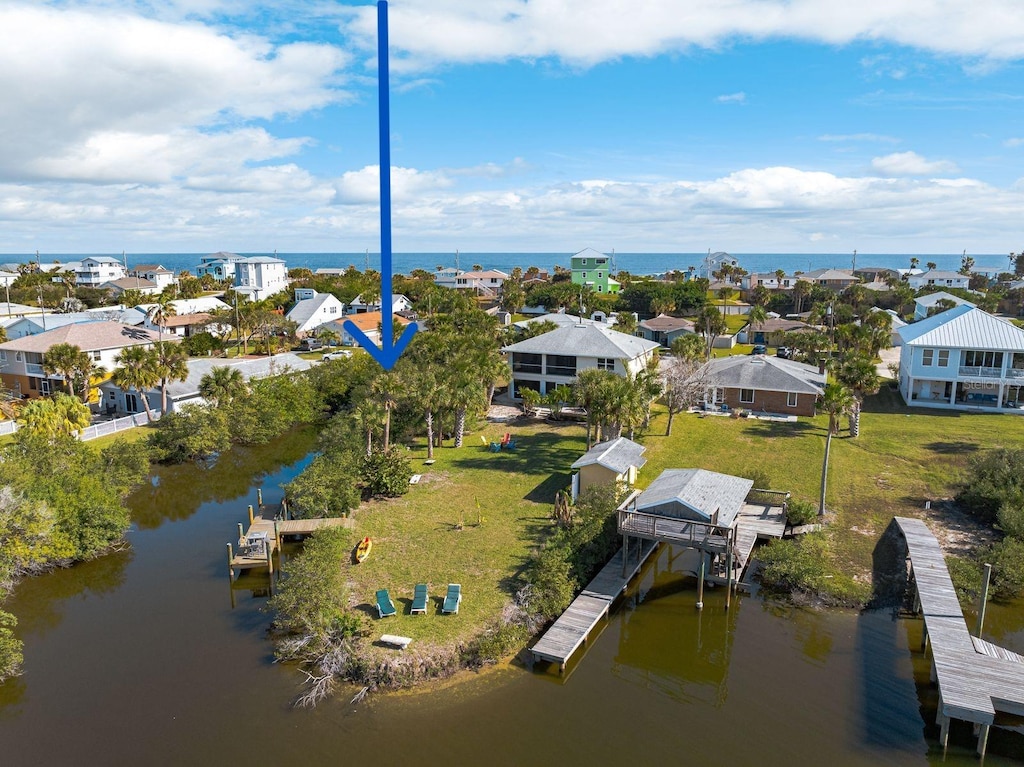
101 429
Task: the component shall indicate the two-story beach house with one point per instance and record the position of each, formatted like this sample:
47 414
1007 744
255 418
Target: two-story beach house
21 360
260 277
487 282
219 265
939 278
96 270
555 358
963 358
314 309
591 268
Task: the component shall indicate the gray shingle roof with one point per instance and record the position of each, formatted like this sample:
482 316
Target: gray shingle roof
616 455
702 491
585 341
87 336
665 323
764 373
964 327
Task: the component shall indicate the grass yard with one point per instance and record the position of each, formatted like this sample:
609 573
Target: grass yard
502 502
901 459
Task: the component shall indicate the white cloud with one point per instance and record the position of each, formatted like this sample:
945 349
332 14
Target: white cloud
581 32
102 90
912 164
363 186
1013 142
732 98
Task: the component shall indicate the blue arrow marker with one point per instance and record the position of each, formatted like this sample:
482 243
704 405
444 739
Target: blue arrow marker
390 350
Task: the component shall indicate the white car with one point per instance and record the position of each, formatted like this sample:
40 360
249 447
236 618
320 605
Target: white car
342 354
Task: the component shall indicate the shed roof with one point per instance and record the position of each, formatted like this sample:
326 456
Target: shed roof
700 490
616 455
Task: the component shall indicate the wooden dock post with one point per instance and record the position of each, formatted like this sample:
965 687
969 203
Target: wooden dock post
270 560
241 533
984 600
700 581
259 497
231 559
728 577
983 740
625 553
250 514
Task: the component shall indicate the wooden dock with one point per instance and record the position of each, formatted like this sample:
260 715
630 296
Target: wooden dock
565 636
268 531
977 680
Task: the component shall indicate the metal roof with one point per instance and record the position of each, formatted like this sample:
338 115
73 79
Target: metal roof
931 299
585 341
964 327
702 491
764 373
616 455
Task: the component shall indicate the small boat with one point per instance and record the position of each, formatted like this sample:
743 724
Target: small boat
363 549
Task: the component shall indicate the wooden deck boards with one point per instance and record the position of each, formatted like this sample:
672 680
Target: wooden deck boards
572 628
974 683
261 524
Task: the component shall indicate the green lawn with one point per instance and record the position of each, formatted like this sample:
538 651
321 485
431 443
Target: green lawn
901 459
503 502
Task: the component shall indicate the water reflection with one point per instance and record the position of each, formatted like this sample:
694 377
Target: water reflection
177 492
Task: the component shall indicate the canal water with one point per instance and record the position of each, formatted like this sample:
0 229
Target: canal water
139 658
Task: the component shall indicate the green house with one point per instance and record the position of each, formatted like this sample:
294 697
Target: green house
592 268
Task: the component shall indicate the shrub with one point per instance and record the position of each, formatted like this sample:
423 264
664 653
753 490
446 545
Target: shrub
801 513
1007 558
1011 518
498 643
966 576
201 344
195 431
549 575
325 488
804 565
10 647
386 473
994 479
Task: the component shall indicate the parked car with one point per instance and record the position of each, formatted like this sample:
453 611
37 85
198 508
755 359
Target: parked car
785 352
759 349
342 354
310 344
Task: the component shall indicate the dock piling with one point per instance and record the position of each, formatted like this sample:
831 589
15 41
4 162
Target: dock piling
231 559
700 582
259 497
250 514
984 600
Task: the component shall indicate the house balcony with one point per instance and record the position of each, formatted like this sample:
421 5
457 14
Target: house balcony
34 369
1015 373
977 372
523 367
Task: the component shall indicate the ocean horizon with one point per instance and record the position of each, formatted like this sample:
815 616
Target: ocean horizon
635 263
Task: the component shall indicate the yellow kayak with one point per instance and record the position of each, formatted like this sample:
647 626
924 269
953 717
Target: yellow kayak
363 549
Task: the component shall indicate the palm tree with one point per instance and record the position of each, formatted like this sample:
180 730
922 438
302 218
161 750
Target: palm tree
757 317
63 360
221 385
801 289
385 389
160 312
370 416
328 337
172 365
914 262
62 416
587 389
139 371
837 401
859 375
726 294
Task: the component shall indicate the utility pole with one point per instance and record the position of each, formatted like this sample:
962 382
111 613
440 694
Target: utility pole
855 259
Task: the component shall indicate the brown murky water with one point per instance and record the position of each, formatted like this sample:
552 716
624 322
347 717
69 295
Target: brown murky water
138 658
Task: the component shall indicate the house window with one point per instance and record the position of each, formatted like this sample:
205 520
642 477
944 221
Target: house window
17 356
526 363
927 356
600 288
584 275
600 275
44 386
605 363
561 365
791 399
32 384
3 356
747 396
333 310
97 356
977 359
943 358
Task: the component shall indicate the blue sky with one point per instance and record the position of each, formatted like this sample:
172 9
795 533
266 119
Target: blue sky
517 125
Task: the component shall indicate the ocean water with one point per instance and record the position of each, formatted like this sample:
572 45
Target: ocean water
635 263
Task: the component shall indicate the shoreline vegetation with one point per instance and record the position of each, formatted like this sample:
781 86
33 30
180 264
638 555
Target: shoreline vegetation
485 520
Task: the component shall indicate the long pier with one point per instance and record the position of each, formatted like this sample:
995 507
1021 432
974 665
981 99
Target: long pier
977 680
573 627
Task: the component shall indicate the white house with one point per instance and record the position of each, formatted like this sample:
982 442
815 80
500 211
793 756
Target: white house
712 262
447 276
768 280
95 270
487 282
258 277
312 311
923 304
155 273
179 393
963 358
555 358
191 315
399 303
940 278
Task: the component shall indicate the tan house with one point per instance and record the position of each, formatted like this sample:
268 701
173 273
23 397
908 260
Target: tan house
21 360
761 383
616 460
